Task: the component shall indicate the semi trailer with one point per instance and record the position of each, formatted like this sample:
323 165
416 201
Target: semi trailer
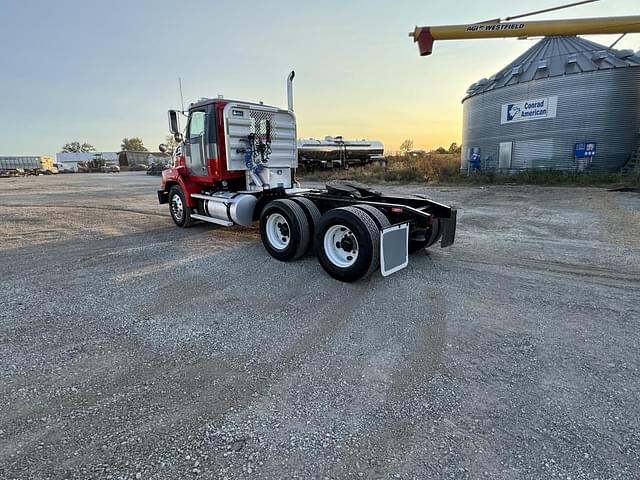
30 165
235 164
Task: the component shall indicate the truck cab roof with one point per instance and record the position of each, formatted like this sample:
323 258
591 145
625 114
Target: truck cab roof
211 101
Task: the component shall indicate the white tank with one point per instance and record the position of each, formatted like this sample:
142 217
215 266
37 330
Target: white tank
339 150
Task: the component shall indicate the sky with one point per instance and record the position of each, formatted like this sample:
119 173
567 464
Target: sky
100 71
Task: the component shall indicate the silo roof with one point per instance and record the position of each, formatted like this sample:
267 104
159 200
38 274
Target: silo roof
556 56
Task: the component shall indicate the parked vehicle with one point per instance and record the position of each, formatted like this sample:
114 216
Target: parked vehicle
156 168
236 164
110 168
83 167
97 165
29 165
138 167
65 167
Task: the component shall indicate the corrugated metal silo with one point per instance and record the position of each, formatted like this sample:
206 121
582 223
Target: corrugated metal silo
561 92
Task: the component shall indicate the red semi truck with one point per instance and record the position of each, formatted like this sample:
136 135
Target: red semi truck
235 164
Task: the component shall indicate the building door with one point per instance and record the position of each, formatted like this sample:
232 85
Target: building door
504 155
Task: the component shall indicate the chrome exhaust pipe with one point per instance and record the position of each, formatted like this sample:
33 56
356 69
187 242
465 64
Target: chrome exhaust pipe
290 90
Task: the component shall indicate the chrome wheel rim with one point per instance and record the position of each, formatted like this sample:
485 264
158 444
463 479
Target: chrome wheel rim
177 208
341 246
278 231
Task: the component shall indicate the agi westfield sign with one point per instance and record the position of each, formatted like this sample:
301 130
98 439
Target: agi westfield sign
535 109
498 27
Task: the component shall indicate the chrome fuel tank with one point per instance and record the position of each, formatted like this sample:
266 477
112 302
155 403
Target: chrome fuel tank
234 207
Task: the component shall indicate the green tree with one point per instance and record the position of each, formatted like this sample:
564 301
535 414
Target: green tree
406 146
441 150
132 145
455 148
76 147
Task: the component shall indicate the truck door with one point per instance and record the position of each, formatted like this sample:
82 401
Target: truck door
194 144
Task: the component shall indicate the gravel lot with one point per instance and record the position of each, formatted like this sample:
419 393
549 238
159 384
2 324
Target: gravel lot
131 349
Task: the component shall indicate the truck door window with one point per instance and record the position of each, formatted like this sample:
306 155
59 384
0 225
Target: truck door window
194 145
196 125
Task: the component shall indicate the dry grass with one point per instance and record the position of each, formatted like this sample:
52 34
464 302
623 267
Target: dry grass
424 168
554 177
445 168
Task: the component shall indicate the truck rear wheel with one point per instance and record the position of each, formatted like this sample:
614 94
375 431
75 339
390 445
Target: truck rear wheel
284 230
313 217
380 218
348 244
180 212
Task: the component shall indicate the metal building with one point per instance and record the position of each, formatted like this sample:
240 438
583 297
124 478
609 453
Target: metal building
565 104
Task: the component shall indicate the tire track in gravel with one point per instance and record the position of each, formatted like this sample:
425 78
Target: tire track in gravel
603 276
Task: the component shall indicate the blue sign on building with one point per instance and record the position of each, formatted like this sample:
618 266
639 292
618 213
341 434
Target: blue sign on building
584 150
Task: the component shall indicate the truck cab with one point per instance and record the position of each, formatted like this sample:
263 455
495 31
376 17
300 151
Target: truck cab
238 145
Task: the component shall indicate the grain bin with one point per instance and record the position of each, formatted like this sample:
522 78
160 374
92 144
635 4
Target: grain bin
565 104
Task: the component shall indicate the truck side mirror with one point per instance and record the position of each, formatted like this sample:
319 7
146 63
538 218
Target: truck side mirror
173 122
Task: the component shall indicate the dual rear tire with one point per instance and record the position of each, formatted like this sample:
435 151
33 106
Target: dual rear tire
348 243
284 230
346 240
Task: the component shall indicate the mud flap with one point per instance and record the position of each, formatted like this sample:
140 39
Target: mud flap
394 248
163 197
448 226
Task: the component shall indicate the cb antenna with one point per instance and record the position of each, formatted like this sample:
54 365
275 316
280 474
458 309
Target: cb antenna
181 97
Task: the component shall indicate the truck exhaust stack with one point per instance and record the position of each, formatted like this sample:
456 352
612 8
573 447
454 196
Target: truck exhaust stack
290 90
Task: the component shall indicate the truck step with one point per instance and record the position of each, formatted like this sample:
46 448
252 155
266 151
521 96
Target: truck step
204 218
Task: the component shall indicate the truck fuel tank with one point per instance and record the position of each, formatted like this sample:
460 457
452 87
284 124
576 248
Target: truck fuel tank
228 207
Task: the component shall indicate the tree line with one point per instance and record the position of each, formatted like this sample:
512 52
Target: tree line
133 144
406 148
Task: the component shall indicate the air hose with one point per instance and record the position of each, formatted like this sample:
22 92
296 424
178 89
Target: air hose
257 155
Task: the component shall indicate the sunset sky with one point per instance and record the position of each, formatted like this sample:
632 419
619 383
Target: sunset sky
98 72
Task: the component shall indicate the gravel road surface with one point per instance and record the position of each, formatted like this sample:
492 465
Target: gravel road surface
131 349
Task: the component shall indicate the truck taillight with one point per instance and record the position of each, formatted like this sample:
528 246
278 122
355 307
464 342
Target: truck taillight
397 209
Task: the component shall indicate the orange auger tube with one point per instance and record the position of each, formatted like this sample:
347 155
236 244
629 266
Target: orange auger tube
425 36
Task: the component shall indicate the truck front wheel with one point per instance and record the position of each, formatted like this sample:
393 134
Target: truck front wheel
180 212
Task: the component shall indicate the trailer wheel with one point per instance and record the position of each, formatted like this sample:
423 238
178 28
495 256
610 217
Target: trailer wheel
348 244
284 230
180 213
313 217
431 237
